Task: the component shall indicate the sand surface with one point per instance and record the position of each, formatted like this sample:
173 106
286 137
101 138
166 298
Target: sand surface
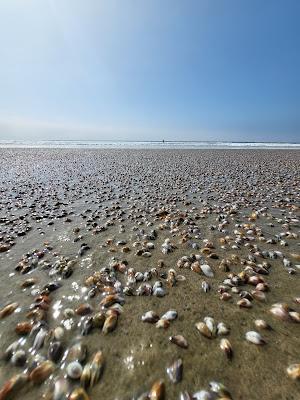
98 210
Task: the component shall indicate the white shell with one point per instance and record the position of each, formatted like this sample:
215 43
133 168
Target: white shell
74 370
170 315
159 292
254 337
222 329
207 271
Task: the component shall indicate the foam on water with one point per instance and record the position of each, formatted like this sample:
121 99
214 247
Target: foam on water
104 144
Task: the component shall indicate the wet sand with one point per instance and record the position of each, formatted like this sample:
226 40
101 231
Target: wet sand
99 210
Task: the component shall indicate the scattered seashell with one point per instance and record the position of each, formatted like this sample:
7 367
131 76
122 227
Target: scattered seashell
170 315
157 391
92 371
293 371
207 271
179 340
225 346
7 310
203 329
42 372
255 338
175 370
74 370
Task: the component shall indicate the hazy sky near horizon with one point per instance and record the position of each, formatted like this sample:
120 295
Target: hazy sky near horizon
148 70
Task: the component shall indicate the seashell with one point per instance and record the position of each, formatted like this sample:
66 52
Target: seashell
157 391
10 350
118 308
98 320
220 390
203 329
171 280
205 286
258 295
245 303
150 316
195 267
225 296
77 352
207 271
84 309
280 312
170 315
179 340
7 310
111 299
255 338
295 316
293 371
23 328
296 300
55 351
186 396
210 322
263 287
222 329
39 339
74 370
78 394
42 372
28 282
175 370
159 292
92 371
110 323
86 326
225 346
19 358
261 324
58 333
12 386
162 323
61 389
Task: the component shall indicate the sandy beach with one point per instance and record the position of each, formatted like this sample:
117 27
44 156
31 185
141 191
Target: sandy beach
93 240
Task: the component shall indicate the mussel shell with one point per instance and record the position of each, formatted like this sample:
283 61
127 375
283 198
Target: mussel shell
55 351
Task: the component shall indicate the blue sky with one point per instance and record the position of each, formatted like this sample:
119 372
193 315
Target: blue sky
150 69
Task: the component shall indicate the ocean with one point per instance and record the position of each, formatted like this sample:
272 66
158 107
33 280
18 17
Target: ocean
105 144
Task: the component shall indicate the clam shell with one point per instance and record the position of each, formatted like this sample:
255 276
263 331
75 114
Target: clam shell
42 372
207 271
55 351
254 337
74 370
157 391
293 371
170 315
175 370
7 310
110 323
162 323
203 329
225 346
179 340
150 316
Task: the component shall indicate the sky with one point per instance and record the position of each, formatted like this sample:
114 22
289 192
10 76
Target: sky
150 70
